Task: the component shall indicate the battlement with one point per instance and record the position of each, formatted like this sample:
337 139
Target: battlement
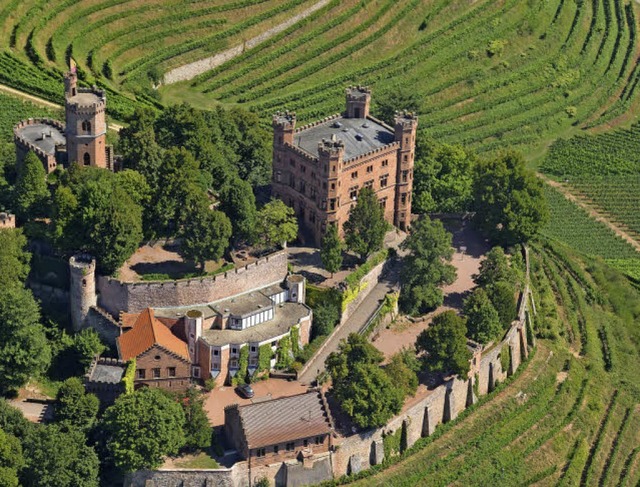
7 220
366 157
331 146
318 122
358 92
406 119
83 262
284 119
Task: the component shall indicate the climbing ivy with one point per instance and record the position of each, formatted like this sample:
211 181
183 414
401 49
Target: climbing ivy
505 358
243 364
129 376
265 354
295 339
284 353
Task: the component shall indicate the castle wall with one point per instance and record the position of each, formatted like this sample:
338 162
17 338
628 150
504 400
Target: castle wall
24 146
116 296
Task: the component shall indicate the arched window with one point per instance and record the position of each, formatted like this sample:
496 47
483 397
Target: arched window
86 159
86 126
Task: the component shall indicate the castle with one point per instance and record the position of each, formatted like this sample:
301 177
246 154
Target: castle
319 169
82 139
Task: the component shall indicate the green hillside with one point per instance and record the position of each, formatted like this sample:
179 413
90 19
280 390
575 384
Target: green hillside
487 74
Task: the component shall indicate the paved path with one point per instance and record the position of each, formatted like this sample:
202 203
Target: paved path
387 284
42 102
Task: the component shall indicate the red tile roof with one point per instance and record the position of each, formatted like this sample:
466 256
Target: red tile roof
284 419
148 331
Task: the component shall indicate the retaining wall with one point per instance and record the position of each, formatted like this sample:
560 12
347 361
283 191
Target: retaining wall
116 296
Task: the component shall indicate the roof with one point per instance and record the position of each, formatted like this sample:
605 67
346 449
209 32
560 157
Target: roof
85 98
374 135
109 374
284 419
147 332
244 304
32 133
285 316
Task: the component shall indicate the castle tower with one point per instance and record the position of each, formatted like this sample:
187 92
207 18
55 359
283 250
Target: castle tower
358 101
406 125
330 157
86 127
193 328
296 285
82 290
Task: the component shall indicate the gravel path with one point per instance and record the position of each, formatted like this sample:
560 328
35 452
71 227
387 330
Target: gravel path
191 70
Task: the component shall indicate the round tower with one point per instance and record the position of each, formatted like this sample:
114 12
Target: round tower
82 289
193 323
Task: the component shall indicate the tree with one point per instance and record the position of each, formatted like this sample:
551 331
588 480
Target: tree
31 188
143 427
87 345
331 250
495 267
135 185
373 399
483 321
445 345
366 227
14 258
443 178
205 234
325 316
11 459
24 351
276 224
503 297
362 388
12 421
426 267
75 407
197 429
508 199
402 371
238 202
60 457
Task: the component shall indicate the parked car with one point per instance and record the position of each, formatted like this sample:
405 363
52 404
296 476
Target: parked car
245 390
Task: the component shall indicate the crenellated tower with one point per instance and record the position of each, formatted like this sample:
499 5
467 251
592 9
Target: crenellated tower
405 126
86 127
358 101
82 289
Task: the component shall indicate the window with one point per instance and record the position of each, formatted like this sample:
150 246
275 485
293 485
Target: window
353 193
406 158
369 169
404 176
140 374
171 371
354 175
292 181
215 366
278 176
253 348
403 199
156 373
276 448
234 350
290 446
369 184
292 163
86 126
233 363
303 187
312 191
253 361
318 440
86 159
303 169
216 353
333 186
383 203
157 357
260 452
306 443
323 205
384 180
385 163
332 204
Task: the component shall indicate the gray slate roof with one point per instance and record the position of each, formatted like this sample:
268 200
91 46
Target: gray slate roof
284 419
33 134
374 135
110 374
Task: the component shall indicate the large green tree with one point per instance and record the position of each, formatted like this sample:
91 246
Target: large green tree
11 459
24 351
483 321
142 428
59 456
364 391
508 199
445 345
396 98
503 297
276 224
426 266
366 227
31 188
205 233
443 177
403 370
14 258
238 202
493 268
197 429
331 250
74 406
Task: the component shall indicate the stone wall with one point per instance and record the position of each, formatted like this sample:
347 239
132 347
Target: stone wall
116 296
367 283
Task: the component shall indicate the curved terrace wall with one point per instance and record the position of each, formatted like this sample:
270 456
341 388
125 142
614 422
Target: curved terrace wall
116 296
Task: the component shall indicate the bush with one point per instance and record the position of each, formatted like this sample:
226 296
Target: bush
209 384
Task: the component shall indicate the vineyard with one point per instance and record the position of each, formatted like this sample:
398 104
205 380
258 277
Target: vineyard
487 74
12 110
571 417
